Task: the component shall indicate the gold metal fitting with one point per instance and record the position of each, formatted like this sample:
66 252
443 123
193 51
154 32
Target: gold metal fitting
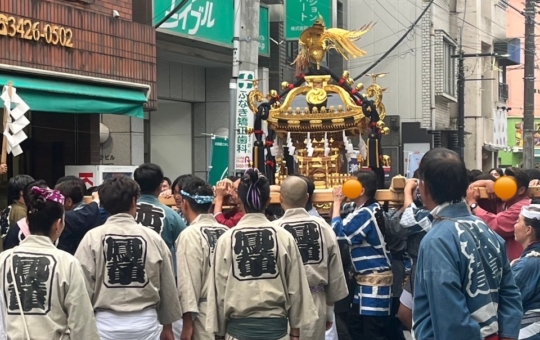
346 74
249 130
359 87
386 131
380 124
284 85
350 81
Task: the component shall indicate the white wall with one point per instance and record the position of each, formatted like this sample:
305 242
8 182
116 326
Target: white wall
404 94
171 142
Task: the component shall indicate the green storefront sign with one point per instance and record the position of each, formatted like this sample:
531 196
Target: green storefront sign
515 141
210 21
220 160
264 32
301 14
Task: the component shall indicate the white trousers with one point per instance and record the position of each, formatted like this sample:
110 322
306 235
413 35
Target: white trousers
143 325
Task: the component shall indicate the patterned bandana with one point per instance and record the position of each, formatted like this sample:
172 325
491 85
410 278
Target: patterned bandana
198 199
532 214
49 194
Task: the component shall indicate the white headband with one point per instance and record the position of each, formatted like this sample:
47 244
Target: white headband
527 212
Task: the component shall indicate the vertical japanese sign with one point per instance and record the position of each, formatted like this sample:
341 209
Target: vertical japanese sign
244 118
220 160
264 32
301 14
211 21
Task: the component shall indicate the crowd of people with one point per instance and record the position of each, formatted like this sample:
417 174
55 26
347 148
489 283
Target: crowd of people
227 263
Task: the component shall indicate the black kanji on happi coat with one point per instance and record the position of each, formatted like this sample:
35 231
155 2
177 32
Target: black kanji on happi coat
125 259
211 235
307 235
33 274
255 252
150 216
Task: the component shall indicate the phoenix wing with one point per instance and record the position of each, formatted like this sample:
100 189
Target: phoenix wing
343 40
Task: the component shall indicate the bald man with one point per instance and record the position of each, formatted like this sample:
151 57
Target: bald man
320 253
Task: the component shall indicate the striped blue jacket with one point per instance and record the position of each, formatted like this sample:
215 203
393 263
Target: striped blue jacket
368 254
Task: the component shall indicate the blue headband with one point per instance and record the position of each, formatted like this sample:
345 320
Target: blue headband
198 199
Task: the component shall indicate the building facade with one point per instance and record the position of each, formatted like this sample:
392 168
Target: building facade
194 69
75 63
422 75
515 84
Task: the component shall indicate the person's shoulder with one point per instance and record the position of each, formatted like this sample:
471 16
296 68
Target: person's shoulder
443 230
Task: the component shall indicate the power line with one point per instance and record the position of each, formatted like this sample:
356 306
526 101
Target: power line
171 13
397 43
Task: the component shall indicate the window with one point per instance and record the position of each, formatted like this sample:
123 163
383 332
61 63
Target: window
292 50
449 69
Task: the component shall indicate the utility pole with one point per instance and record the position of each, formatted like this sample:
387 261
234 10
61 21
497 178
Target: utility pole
245 58
461 95
528 98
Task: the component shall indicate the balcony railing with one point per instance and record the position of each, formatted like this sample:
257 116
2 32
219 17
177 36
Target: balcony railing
503 92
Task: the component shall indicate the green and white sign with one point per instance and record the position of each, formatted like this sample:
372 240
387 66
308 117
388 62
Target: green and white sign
220 160
210 21
264 32
301 14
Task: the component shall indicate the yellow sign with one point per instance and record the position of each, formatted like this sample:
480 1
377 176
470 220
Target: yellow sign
26 29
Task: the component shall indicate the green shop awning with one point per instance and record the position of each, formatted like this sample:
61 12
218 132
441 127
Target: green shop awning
59 95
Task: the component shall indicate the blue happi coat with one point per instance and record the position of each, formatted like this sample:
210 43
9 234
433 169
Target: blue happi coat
368 254
464 288
527 274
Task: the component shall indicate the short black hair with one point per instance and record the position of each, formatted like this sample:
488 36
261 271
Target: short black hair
117 194
149 176
485 177
444 175
91 190
497 170
274 211
254 191
71 187
42 213
168 180
197 186
520 175
369 182
476 172
28 188
16 185
310 190
532 174
180 181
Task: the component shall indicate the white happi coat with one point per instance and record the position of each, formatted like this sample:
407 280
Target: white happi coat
279 288
195 254
52 291
319 249
128 269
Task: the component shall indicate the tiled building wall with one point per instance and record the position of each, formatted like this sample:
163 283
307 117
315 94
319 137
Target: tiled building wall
103 46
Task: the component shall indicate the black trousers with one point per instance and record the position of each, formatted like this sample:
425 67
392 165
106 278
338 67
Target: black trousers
365 327
353 326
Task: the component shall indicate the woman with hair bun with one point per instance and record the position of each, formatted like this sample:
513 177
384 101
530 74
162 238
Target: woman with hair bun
259 284
50 284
